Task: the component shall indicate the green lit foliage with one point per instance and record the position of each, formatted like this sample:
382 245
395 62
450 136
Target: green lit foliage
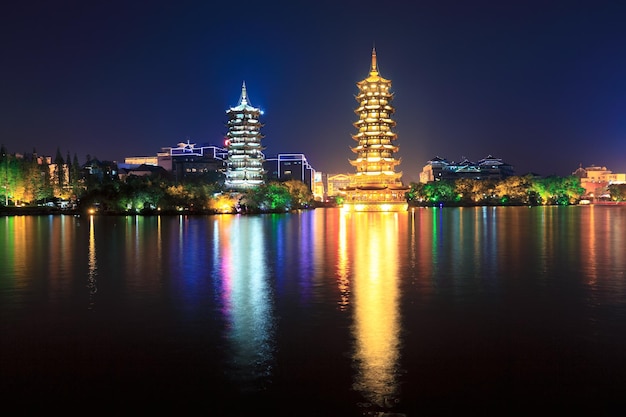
415 193
13 184
272 197
139 194
617 192
558 190
515 190
438 192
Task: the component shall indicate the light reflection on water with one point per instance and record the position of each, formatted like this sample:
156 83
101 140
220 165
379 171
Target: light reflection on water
92 283
352 306
376 310
247 299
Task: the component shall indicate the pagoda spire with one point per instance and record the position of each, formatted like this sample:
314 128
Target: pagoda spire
374 67
243 100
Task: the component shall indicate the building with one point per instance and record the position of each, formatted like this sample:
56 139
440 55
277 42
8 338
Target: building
336 184
244 167
289 166
596 180
143 170
438 169
319 190
186 161
189 161
375 186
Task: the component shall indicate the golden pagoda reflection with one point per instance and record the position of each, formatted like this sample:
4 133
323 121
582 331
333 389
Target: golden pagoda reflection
93 265
376 310
343 269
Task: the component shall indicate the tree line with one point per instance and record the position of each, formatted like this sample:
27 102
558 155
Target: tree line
31 180
515 190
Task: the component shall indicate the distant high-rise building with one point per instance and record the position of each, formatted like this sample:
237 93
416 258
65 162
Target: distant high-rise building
375 186
244 167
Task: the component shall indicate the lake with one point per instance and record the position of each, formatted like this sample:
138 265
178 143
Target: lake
432 312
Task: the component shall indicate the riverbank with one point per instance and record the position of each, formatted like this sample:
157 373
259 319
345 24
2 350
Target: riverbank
33 211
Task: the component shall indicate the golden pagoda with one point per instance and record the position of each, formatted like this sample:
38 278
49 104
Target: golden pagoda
375 186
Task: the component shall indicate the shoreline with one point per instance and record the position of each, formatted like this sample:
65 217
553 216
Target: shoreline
47 211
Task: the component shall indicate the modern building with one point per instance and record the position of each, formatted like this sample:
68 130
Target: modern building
289 166
244 167
185 161
189 161
438 169
375 186
596 180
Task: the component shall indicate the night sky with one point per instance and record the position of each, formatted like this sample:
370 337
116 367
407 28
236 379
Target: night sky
540 84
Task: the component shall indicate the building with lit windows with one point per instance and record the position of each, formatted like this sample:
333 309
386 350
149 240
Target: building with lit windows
289 166
336 184
244 163
375 186
438 169
596 180
189 161
185 161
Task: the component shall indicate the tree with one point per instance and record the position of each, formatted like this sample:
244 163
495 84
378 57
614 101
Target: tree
300 194
437 192
513 190
4 165
617 192
272 197
59 173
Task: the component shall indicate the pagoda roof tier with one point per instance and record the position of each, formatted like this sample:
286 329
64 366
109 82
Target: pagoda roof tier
377 151
371 187
236 142
377 133
377 120
364 109
384 175
363 136
377 146
365 162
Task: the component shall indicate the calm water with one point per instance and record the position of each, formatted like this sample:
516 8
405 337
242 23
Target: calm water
507 311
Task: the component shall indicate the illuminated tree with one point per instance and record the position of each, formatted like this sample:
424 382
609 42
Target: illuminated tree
473 191
441 192
513 190
272 197
224 203
558 190
300 194
4 167
618 192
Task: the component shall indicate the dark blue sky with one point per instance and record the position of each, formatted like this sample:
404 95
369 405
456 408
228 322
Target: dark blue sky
540 84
